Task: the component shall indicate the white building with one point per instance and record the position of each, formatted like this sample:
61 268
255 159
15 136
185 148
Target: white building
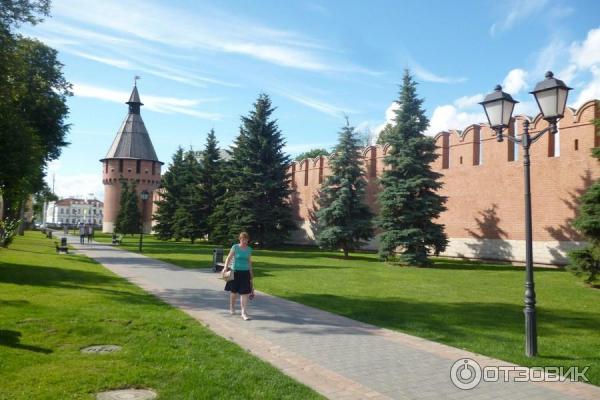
73 211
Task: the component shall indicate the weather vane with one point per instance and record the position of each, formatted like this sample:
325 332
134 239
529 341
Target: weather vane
135 79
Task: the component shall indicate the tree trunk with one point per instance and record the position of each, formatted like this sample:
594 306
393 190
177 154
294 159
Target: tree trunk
22 218
345 247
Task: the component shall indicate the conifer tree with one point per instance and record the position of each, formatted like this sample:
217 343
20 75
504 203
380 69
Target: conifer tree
129 218
343 218
257 194
586 261
188 218
211 182
170 191
409 202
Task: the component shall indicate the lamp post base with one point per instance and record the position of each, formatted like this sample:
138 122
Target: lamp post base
530 333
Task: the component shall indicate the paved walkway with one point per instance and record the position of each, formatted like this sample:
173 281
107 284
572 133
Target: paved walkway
338 357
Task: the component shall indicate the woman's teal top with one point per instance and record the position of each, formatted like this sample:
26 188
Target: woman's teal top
241 257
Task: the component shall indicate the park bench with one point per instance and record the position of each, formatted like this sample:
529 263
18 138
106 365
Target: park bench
61 248
218 263
117 239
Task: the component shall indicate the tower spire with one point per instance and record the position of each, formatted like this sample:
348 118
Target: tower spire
134 100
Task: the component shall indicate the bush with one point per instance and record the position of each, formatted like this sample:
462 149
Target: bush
8 230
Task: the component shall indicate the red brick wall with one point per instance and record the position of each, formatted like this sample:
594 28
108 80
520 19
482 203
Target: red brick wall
486 201
112 188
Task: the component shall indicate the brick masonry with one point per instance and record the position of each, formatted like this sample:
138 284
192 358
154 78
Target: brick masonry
483 181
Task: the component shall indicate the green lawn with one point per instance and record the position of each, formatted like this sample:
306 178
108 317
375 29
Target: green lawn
51 306
469 305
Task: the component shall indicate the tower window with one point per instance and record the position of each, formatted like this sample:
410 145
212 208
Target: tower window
106 166
153 167
138 166
576 144
120 165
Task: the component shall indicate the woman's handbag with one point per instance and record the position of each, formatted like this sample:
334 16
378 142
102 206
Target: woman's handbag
227 275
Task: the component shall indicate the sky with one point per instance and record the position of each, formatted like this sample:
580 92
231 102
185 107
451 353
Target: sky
203 64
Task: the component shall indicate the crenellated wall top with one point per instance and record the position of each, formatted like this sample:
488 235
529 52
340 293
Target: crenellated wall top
573 117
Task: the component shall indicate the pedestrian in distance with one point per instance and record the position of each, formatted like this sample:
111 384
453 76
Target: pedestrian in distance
239 261
81 233
90 232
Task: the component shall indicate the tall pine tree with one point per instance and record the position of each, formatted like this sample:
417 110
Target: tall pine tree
188 221
257 194
170 191
129 218
211 181
343 218
409 202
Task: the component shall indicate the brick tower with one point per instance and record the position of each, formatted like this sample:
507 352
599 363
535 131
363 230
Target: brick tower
131 157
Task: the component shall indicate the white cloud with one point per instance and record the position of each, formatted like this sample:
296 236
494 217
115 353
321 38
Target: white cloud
591 90
211 30
429 76
587 53
468 101
166 105
515 81
76 185
449 117
517 11
318 105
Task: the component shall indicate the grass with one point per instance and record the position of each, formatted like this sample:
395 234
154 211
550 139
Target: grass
52 306
469 305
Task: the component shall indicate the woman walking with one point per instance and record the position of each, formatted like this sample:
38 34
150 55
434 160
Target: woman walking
241 254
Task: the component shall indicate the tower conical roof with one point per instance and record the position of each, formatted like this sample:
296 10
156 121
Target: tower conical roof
132 140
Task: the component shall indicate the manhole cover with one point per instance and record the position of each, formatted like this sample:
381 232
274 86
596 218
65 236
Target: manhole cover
102 349
127 394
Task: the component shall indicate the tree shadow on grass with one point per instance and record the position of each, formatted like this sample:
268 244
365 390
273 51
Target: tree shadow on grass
13 339
465 265
61 278
453 323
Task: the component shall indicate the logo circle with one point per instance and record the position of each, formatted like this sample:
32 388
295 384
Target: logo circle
465 373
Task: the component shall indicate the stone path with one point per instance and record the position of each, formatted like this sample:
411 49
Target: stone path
338 357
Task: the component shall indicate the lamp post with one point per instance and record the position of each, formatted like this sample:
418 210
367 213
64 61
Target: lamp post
144 196
551 97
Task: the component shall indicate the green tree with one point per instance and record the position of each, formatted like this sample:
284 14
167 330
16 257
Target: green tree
409 202
33 107
211 185
586 261
312 153
170 191
188 221
129 218
257 193
343 218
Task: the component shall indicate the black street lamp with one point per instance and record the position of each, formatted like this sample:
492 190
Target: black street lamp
144 196
551 97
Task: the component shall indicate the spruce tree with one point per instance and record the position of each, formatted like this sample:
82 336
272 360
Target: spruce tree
586 261
211 182
409 202
170 191
257 193
188 219
129 218
343 218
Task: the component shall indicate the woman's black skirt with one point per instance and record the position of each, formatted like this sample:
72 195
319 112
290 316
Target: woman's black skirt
240 284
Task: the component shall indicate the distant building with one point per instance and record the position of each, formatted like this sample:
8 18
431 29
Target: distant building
73 211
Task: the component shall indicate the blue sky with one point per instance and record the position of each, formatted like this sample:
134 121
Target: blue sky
203 63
